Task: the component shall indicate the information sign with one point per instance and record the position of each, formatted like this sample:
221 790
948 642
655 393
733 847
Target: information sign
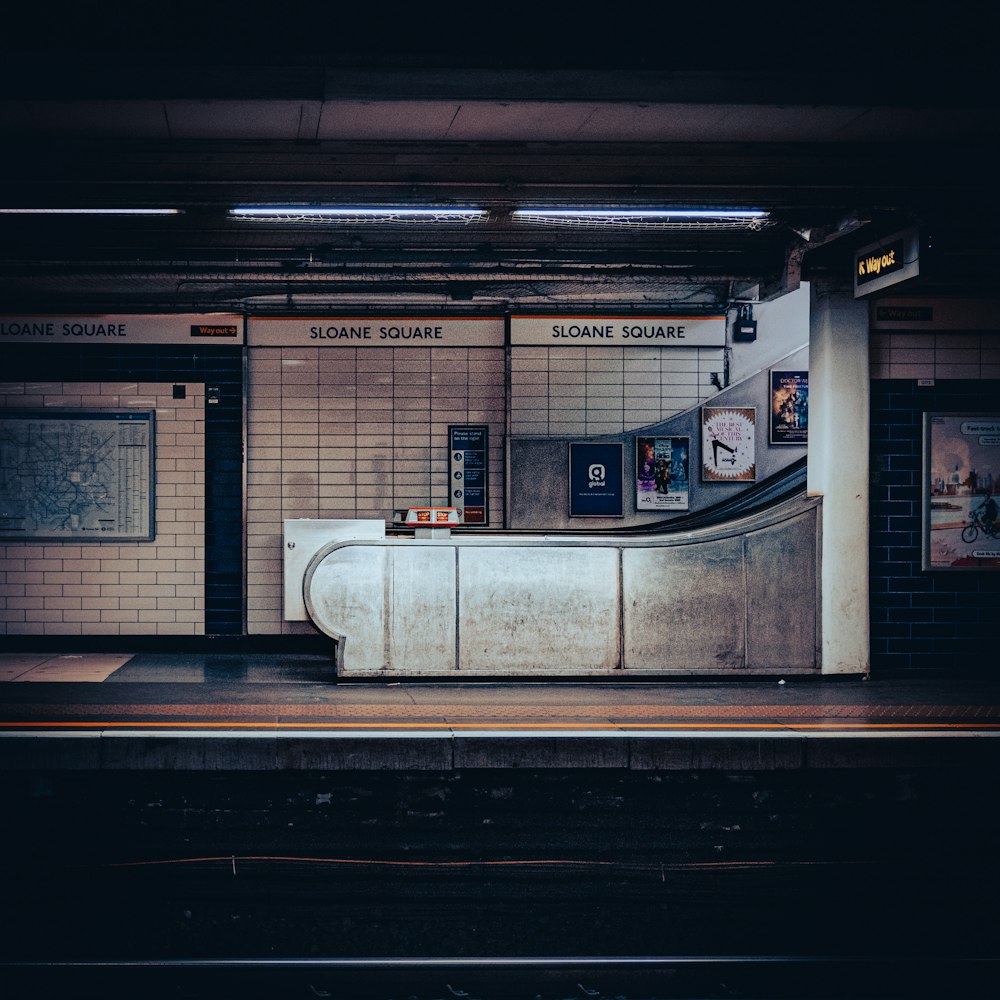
468 472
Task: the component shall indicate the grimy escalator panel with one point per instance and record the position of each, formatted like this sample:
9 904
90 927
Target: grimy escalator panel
738 596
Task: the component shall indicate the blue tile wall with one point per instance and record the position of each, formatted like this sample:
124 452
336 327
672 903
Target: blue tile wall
922 621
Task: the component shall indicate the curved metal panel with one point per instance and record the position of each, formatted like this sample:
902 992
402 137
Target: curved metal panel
539 610
738 596
685 607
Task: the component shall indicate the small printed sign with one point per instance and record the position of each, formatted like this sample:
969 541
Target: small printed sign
215 330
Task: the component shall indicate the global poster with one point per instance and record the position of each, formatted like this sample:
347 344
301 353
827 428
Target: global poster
662 473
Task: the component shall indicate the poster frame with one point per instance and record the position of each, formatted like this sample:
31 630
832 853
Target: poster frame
749 473
86 537
684 499
954 505
615 458
779 433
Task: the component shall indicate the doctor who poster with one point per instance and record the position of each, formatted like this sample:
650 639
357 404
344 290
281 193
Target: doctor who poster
662 471
728 449
789 407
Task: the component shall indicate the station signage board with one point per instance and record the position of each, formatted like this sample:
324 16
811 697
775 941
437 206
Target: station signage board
618 331
224 329
373 331
938 314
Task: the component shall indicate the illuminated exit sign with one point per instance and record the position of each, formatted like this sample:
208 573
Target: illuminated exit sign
891 260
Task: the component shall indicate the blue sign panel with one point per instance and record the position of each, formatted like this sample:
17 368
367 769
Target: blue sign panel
467 472
595 479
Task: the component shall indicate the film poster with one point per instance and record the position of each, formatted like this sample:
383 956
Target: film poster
728 452
662 470
789 407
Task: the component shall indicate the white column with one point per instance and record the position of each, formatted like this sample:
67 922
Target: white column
838 471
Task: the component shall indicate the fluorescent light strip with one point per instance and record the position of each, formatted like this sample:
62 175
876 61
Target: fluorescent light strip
639 213
292 212
665 219
90 211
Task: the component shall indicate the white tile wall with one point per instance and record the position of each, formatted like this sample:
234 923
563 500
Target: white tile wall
935 355
133 588
355 433
606 390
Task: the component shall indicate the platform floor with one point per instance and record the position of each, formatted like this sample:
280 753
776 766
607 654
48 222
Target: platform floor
301 718
181 689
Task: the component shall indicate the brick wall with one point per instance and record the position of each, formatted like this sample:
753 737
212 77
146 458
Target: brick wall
924 620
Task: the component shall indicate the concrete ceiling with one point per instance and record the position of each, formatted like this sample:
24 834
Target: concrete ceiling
838 150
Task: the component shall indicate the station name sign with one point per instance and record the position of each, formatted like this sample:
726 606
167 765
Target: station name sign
887 262
618 331
370 331
124 329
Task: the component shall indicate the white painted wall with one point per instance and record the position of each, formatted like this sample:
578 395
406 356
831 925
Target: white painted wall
838 471
782 327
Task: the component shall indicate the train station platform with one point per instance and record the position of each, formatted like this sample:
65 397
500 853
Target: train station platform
241 825
263 711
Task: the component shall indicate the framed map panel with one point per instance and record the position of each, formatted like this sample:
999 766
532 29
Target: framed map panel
81 477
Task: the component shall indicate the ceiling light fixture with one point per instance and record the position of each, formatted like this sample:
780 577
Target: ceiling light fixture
358 214
653 218
90 211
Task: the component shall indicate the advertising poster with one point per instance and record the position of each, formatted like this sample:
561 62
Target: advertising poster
728 453
961 469
662 470
789 407
596 478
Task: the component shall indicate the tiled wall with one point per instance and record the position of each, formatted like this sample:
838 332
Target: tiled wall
924 620
935 355
606 390
355 433
134 588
